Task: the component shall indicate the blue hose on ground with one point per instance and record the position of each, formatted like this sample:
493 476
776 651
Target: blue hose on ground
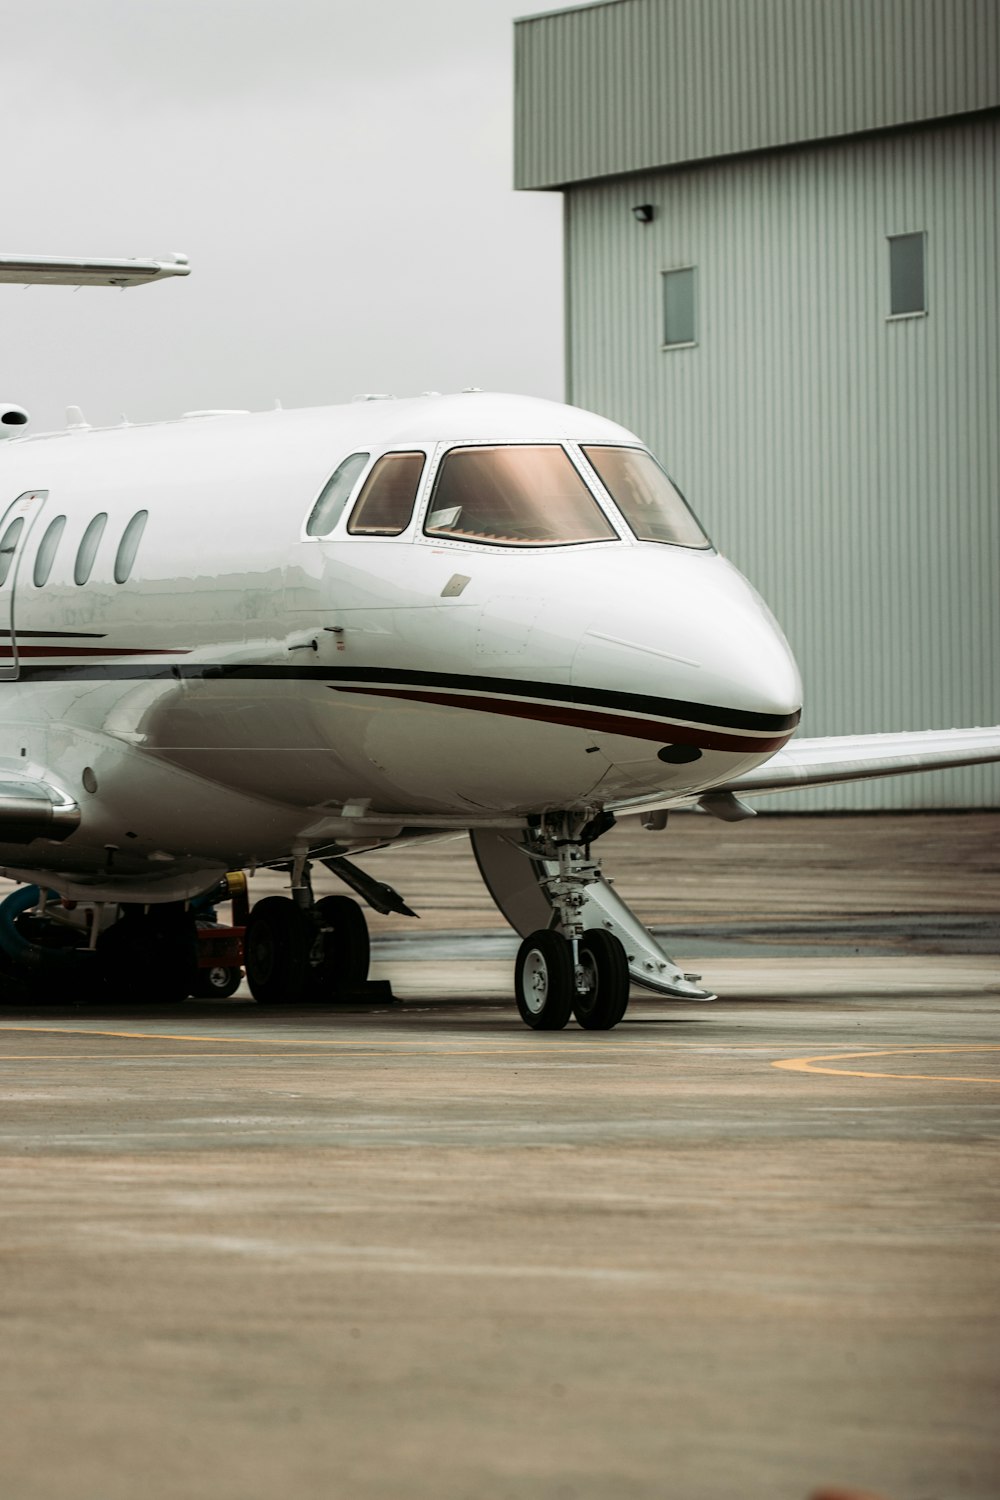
19 948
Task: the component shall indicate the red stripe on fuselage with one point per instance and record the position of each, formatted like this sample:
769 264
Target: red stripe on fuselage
585 718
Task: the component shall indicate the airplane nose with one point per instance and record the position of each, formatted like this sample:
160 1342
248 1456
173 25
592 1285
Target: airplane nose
688 629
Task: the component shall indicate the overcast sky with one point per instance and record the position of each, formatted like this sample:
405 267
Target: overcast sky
339 174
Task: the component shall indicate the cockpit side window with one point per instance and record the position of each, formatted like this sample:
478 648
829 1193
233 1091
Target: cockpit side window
334 496
515 496
650 503
386 502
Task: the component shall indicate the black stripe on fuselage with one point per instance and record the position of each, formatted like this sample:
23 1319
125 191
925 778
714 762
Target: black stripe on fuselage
372 678
55 635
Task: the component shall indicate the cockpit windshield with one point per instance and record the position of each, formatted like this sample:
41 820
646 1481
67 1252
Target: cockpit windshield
517 496
655 510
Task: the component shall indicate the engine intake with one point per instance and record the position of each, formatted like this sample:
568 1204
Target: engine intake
12 419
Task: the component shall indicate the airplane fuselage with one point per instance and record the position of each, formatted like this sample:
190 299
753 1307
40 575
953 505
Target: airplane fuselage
246 683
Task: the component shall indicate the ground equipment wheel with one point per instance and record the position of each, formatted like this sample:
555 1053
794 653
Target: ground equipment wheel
543 981
217 983
346 947
279 942
605 970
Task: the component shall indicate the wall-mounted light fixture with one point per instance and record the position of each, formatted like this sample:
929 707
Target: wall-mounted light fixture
644 212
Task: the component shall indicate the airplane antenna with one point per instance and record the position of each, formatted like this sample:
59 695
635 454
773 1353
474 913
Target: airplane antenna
75 420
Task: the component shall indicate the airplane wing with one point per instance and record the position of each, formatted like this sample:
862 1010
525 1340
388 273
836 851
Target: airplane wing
57 270
31 809
836 758
859 757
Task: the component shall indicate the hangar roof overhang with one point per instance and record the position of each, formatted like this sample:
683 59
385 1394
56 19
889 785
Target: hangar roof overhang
624 86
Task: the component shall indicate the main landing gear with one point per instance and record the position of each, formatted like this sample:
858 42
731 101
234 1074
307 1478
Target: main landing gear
300 951
295 950
573 970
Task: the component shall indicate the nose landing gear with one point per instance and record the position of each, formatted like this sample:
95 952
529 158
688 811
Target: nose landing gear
574 970
549 987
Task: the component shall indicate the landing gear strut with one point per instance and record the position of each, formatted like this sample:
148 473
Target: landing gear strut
570 969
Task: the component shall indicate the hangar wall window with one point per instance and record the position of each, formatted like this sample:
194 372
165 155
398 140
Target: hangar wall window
46 554
385 504
129 545
335 495
907 283
678 308
87 551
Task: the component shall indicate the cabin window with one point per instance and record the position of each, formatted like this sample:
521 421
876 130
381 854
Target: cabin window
515 497
335 495
652 506
907 289
678 308
46 554
87 551
386 502
8 546
129 545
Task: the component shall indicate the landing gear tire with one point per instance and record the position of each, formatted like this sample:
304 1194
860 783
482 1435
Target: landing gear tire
217 983
277 950
346 947
543 981
605 970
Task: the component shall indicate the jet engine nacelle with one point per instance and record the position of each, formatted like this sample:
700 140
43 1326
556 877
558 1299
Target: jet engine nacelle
12 419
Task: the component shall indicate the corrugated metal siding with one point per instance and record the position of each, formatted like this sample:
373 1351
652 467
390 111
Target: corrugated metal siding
642 84
848 464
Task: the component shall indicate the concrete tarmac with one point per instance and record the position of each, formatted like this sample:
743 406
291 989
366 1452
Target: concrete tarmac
740 1249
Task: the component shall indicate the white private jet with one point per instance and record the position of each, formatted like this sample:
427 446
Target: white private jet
238 640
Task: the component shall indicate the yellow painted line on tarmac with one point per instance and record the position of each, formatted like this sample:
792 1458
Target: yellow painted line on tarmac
579 1036
177 1036
82 1057
374 1050
291 1046
809 1064
228 1041
581 1043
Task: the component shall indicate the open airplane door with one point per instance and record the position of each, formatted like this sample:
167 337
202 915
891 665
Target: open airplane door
15 528
516 880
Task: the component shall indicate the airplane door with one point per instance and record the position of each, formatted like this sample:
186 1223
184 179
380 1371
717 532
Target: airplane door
15 527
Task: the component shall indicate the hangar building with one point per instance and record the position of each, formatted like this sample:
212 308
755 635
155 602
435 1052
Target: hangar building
782 246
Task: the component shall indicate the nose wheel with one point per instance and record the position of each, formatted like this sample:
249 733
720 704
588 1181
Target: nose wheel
543 981
603 998
549 987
